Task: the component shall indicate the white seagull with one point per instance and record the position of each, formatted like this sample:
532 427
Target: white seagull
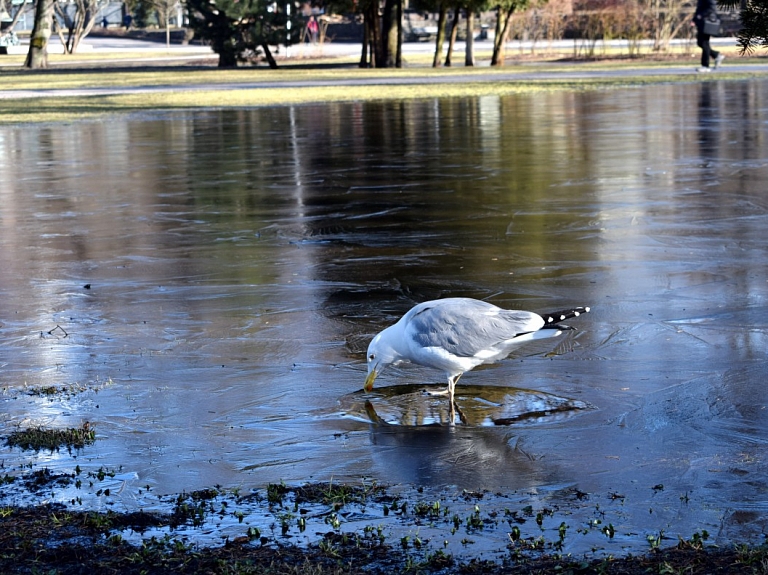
458 334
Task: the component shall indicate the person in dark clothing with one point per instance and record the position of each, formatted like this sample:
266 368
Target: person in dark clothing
705 9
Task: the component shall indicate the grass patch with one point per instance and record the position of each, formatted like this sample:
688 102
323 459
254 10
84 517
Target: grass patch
201 88
86 542
47 391
147 76
305 81
59 539
39 438
93 107
336 494
53 78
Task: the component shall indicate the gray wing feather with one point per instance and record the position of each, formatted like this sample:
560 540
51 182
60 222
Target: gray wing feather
466 328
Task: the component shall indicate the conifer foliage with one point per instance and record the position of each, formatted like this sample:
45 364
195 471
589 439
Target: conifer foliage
245 30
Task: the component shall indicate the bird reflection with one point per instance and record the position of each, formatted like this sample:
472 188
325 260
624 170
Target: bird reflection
415 406
417 441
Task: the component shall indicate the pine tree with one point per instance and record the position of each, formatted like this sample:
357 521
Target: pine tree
244 30
754 21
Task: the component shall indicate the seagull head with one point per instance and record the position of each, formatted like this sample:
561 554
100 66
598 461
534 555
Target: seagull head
380 354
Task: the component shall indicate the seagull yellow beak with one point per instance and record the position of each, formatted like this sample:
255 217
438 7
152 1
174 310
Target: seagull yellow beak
369 380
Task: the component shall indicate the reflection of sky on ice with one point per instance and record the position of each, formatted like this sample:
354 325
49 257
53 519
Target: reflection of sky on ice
239 263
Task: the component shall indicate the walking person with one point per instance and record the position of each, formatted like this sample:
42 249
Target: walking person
313 29
706 9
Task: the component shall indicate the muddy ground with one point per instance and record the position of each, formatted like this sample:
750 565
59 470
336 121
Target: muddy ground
51 539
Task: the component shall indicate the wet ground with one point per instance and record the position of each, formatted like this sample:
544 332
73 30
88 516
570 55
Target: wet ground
201 289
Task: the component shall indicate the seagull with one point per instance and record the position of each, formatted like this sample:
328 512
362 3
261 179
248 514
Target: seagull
457 334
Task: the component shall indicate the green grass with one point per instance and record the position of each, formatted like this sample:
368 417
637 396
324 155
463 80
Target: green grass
210 87
39 438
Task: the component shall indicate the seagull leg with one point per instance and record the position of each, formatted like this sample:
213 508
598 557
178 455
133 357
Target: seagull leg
451 397
452 385
452 379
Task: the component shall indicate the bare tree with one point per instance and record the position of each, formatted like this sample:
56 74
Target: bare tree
668 17
77 18
4 9
634 25
165 9
553 15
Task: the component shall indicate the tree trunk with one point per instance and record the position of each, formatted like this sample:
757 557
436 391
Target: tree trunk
469 55
373 36
37 57
58 28
392 49
227 54
72 41
441 18
399 58
78 26
502 29
386 26
452 37
82 17
390 36
364 62
268 55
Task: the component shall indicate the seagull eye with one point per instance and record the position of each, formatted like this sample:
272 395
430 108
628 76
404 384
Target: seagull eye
371 357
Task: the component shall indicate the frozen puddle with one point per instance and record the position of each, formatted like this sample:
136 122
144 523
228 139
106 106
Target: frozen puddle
476 406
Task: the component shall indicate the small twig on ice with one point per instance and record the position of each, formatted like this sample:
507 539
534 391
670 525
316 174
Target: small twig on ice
58 327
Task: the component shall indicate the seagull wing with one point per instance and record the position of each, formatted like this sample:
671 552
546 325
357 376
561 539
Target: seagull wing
469 328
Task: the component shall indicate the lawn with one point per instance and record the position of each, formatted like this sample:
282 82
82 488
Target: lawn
102 83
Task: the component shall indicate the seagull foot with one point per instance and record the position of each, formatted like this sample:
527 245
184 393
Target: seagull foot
443 392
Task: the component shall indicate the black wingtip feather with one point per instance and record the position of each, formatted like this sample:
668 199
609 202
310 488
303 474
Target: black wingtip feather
551 319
